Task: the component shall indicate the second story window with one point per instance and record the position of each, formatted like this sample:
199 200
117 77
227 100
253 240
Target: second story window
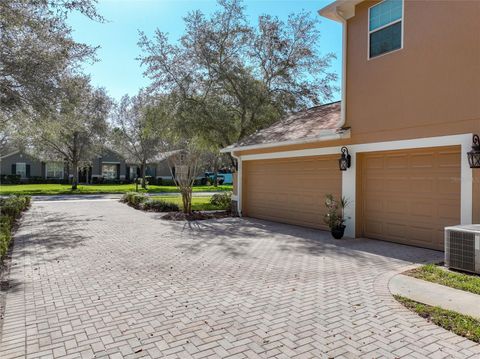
385 27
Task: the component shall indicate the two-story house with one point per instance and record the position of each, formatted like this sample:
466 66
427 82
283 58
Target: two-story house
410 107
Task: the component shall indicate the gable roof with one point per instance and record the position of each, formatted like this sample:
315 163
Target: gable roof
164 155
9 154
313 124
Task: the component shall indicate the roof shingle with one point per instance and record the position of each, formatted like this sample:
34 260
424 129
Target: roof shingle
303 125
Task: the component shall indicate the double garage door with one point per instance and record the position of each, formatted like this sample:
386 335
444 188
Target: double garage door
406 196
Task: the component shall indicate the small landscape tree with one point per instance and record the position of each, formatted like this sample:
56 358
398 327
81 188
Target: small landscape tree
187 165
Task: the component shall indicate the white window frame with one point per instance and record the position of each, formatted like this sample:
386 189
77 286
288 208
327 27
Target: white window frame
24 175
132 172
402 19
61 172
110 164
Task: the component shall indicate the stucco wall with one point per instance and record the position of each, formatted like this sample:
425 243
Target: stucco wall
476 196
431 87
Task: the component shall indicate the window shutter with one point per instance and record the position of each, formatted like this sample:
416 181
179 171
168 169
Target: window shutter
127 172
14 168
118 171
27 170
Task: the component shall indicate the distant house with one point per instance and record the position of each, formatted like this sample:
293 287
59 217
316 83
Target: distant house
158 168
19 163
107 166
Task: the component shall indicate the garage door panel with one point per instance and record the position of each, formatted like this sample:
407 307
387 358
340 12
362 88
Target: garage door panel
291 190
396 162
412 197
421 161
448 185
396 185
374 162
421 209
397 206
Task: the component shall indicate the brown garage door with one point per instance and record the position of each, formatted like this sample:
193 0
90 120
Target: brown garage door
290 190
410 196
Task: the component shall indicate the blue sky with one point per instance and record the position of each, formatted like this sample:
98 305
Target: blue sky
119 72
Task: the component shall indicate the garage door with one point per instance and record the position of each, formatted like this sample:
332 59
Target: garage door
290 190
410 196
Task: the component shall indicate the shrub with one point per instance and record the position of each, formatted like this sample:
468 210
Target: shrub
157 205
222 200
5 222
12 206
10 209
5 236
134 199
165 182
10 179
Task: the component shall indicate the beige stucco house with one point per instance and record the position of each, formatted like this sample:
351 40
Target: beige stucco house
410 106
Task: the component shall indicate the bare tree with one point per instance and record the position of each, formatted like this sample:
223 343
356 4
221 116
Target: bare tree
77 129
187 165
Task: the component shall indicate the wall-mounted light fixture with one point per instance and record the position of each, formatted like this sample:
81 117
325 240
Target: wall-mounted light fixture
345 160
474 154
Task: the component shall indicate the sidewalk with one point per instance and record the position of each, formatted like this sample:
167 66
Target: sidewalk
108 196
436 295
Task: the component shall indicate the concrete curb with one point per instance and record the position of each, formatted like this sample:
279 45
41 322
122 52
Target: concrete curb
436 295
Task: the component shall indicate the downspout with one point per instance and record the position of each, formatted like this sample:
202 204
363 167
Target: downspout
344 68
239 183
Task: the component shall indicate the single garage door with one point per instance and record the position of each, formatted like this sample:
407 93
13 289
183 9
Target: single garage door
290 190
410 196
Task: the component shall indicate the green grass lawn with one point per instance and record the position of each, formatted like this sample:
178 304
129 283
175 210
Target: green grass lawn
198 203
433 273
460 324
52 189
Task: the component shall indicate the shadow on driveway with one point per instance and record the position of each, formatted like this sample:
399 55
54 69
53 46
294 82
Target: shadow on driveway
236 235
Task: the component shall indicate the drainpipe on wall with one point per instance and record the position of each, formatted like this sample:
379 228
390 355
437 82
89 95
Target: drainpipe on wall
239 183
344 68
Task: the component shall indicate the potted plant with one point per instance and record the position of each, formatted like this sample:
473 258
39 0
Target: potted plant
335 216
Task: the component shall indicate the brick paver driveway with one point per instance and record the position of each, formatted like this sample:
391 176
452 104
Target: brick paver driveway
97 278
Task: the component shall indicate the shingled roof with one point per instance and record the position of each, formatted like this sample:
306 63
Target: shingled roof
309 124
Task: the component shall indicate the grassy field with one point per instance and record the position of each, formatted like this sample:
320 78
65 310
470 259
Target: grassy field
435 274
460 324
198 203
52 189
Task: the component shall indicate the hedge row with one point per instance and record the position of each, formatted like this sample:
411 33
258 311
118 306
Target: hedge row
10 209
141 201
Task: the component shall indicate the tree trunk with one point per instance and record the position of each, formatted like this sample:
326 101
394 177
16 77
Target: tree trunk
144 170
75 175
215 173
187 199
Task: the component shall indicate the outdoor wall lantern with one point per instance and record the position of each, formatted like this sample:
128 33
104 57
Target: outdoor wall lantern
474 154
345 160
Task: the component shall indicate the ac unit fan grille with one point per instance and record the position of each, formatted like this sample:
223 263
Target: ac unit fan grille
462 250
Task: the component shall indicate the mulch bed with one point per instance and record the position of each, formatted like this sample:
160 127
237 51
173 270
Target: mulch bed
195 215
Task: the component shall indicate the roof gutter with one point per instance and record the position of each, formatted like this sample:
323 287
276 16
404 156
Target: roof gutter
326 136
